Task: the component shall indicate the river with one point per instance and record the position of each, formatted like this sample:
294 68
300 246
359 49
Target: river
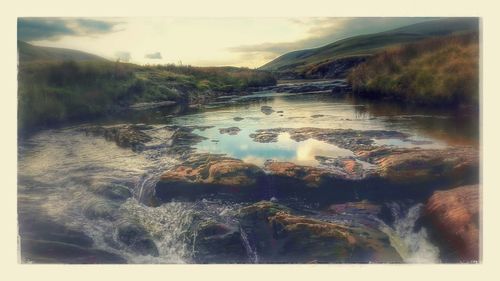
58 169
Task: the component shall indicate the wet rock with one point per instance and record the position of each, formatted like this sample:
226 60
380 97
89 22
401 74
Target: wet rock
183 139
363 207
343 138
454 216
457 165
203 174
112 191
267 110
238 118
123 135
348 166
137 239
230 131
219 243
310 176
279 235
267 135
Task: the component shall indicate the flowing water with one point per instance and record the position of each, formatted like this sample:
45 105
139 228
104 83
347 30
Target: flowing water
57 168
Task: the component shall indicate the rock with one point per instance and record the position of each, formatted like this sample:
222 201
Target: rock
364 207
317 115
230 131
348 166
267 135
219 243
280 236
112 191
279 111
204 174
310 176
457 165
123 135
454 215
137 239
238 118
267 110
183 139
343 138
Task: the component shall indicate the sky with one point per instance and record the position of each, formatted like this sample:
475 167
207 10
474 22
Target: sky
244 42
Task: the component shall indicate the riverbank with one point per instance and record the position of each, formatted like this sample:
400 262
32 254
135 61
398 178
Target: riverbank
53 93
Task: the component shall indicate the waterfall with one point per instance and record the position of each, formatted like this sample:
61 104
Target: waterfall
414 247
252 253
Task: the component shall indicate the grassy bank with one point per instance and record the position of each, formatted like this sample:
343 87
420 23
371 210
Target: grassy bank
55 92
437 71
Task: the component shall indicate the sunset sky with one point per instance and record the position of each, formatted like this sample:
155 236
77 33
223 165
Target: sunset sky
249 42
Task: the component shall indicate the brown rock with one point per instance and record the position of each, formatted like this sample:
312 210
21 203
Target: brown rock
455 216
458 164
204 174
312 176
287 237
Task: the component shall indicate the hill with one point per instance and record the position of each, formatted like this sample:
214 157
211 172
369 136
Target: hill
30 53
344 53
439 71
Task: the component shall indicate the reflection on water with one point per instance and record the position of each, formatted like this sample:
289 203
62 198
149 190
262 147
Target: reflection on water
429 128
285 149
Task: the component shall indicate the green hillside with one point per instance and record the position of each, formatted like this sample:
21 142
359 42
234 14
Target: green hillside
54 92
30 53
365 45
436 71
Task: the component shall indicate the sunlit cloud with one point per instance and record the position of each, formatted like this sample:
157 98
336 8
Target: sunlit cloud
248 42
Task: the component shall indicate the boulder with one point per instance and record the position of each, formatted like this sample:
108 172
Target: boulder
219 243
457 165
205 174
137 239
454 216
280 236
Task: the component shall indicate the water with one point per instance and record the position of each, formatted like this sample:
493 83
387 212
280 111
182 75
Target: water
321 111
57 169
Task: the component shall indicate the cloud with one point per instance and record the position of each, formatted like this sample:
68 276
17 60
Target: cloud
155 56
322 31
32 29
123 56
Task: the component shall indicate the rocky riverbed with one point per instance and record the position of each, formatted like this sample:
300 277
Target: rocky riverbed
189 191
